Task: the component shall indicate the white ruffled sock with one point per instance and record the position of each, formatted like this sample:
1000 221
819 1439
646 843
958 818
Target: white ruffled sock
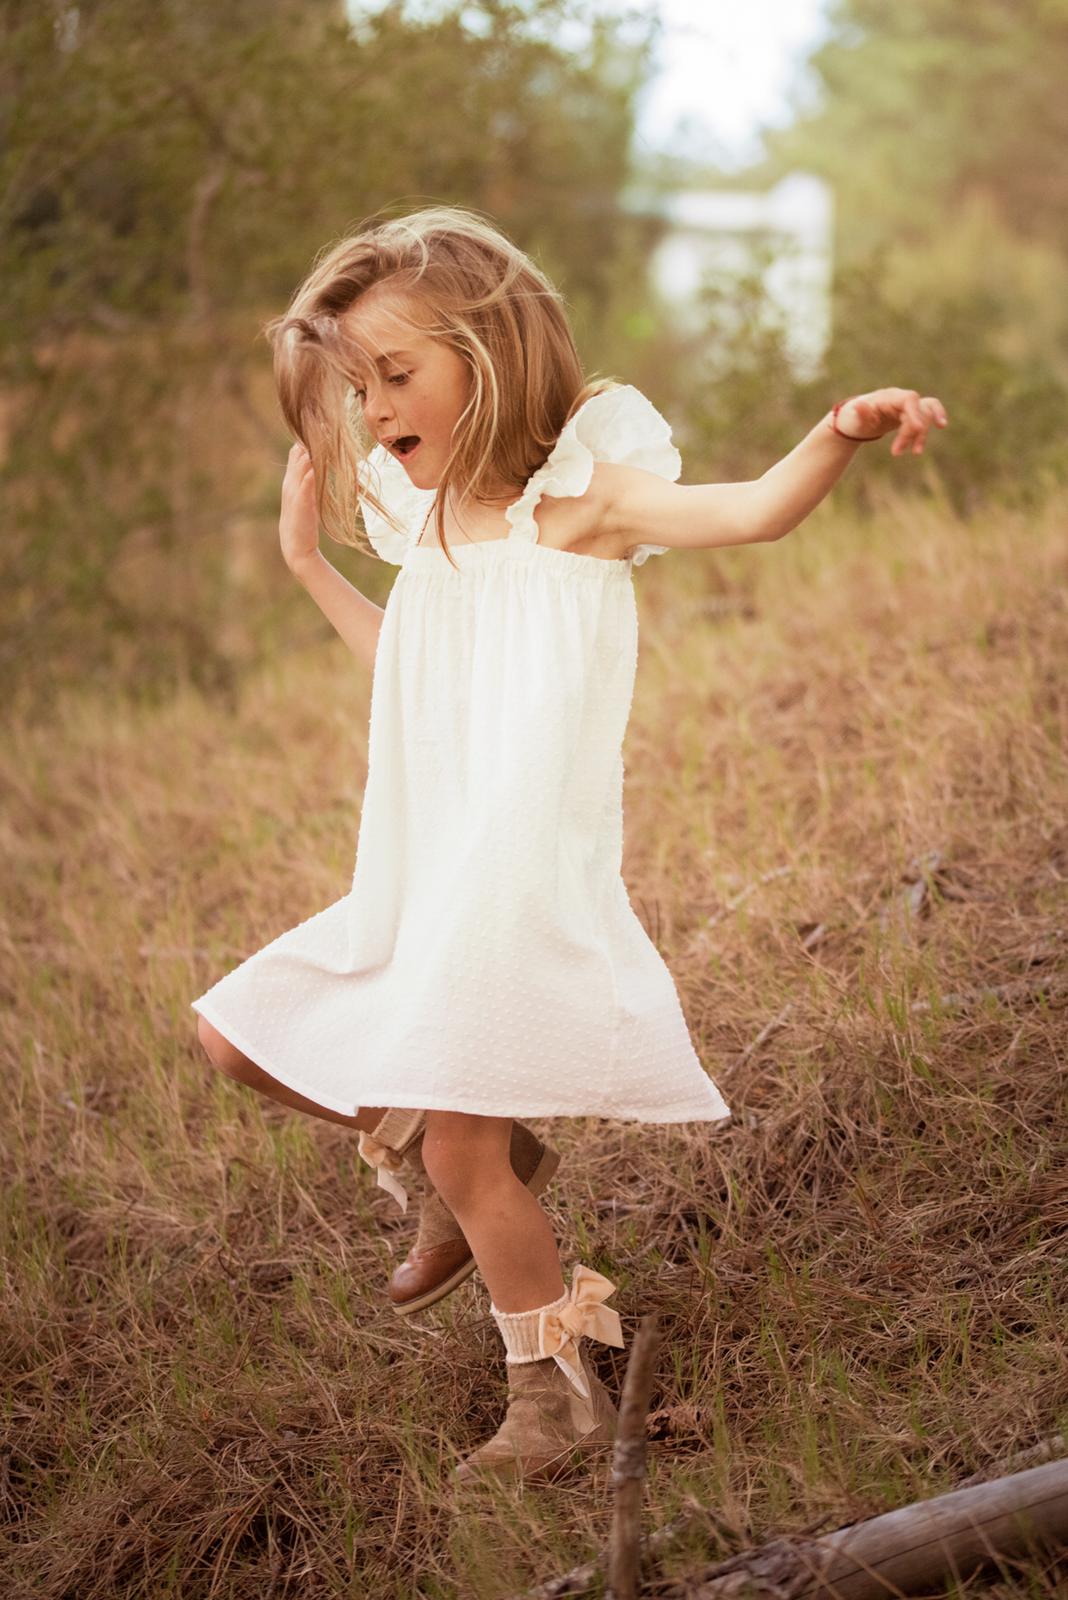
519 1330
557 1329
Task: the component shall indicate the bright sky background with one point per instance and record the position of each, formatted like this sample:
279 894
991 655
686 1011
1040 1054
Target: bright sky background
724 67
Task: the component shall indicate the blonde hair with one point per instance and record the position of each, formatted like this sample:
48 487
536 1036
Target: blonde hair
479 293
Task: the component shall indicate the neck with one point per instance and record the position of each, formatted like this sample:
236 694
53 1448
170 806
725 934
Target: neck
504 497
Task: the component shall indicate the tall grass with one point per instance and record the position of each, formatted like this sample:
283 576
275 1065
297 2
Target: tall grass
846 798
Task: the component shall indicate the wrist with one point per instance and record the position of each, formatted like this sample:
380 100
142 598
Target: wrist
851 438
301 565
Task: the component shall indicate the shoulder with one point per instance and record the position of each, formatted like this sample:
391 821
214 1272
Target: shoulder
601 521
615 436
609 520
584 523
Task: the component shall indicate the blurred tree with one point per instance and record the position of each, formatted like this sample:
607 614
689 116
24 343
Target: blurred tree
168 173
747 409
925 102
943 127
943 130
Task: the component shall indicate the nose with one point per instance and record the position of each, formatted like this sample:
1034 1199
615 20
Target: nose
378 414
374 404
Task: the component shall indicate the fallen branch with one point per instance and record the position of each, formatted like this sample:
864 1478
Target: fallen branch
909 1551
901 1552
1021 989
1047 1450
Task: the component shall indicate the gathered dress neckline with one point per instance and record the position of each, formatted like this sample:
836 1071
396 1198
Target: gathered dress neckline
510 538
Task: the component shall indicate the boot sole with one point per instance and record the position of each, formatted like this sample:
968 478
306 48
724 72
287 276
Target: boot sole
539 1180
587 1453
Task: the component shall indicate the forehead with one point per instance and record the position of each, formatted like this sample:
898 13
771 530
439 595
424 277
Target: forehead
377 327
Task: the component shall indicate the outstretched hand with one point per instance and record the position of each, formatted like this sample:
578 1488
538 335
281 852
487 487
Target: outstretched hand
869 416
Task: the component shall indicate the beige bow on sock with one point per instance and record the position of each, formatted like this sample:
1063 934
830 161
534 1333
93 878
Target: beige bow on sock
386 1161
582 1314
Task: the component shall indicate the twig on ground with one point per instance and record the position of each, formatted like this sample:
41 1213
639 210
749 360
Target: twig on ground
1020 989
1046 1450
778 1021
743 894
628 1463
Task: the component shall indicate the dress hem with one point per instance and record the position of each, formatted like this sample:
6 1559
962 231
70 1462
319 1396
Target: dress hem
407 1103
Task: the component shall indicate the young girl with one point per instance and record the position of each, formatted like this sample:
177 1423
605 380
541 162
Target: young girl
486 964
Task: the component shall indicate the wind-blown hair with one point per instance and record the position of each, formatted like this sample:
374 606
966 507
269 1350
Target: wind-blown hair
457 279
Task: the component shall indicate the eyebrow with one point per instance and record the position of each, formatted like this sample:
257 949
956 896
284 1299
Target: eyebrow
390 355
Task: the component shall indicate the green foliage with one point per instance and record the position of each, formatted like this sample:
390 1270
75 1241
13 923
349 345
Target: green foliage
747 408
921 102
1007 441
942 129
169 175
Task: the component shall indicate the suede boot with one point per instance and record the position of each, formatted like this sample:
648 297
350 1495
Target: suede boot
558 1409
441 1259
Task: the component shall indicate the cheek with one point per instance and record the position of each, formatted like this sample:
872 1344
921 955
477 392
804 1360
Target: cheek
460 390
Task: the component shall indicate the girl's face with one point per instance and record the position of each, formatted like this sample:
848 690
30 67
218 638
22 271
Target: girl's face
415 391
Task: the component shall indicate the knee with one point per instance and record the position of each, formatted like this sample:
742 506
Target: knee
222 1054
465 1157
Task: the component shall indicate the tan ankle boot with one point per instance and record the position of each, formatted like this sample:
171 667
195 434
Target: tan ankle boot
441 1259
394 1133
558 1409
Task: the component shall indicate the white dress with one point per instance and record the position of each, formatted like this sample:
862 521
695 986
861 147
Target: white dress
487 957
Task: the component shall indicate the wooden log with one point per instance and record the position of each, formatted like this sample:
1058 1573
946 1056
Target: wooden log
909 1551
628 1463
937 1531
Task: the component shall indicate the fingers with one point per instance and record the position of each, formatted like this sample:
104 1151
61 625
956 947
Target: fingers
916 417
938 410
299 459
913 425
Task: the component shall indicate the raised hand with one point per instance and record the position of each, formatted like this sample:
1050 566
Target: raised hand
869 416
298 523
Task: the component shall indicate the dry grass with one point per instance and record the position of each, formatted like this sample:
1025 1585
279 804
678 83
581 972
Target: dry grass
845 796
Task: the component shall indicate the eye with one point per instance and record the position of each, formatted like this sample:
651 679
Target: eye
395 377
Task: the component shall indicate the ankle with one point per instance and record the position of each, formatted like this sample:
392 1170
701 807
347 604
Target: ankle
519 1329
557 1328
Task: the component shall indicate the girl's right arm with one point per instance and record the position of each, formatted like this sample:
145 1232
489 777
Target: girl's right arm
356 618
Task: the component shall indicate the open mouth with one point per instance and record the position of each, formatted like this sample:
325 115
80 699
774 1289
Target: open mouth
405 446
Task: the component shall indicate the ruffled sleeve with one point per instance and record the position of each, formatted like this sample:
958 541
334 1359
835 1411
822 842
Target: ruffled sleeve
618 425
386 477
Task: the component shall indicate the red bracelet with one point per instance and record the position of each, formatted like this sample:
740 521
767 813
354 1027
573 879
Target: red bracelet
854 439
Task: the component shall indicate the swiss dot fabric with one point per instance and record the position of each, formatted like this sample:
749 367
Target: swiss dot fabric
487 957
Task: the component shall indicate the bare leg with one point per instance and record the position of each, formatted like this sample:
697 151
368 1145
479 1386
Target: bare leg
222 1054
466 1158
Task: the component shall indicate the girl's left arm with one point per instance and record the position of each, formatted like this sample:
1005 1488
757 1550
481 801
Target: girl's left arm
640 506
